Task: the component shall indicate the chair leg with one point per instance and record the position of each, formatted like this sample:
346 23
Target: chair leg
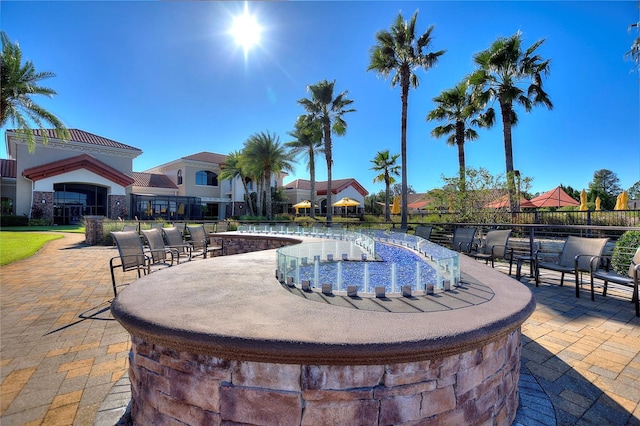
537 274
604 289
592 296
577 284
562 279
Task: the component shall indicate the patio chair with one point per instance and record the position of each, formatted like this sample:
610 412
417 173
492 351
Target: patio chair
201 242
130 228
222 226
173 238
160 252
131 255
463 239
607 275
576 257
494 247
423 231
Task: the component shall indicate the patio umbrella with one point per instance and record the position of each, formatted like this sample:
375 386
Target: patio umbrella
583 201
346 202
304 204
557 197
598 203
621 201
395 207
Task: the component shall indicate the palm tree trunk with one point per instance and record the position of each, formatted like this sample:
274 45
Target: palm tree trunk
312 176
269 200
403 145
387 213
461 161
327 153
505 108
247 196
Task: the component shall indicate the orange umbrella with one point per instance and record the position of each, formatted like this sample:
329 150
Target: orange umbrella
396 208
583 201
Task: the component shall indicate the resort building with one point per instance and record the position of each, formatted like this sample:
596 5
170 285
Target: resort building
300 190
91 175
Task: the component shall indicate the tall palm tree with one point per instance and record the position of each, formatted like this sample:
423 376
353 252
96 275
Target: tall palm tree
18 83
460 109
386 164
265 152
328 111
233 168
400 53
307 142
511 75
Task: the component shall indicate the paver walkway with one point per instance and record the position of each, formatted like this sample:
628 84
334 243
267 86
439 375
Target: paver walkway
61 352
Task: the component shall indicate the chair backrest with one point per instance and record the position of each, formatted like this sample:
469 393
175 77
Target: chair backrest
173 236
155 243
181 227
222 226
129 248
158 225
463 238
198 236
424 231
635 261
130 228
496 242
587 247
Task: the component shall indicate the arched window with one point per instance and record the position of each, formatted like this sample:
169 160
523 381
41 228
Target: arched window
204 177
179 177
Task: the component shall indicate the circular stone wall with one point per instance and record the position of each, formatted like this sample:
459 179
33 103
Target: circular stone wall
220 340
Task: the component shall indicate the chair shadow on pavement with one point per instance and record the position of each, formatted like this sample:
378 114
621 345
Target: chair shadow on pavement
575 399
102 312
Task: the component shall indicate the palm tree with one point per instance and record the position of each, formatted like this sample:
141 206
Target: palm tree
460 109
503 68
328 111
398 51
18 83
233 168
265 152
307 142
386 164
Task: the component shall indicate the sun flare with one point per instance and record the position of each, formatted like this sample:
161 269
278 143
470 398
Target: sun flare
246 30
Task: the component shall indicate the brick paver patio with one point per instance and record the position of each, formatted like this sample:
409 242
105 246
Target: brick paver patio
61 353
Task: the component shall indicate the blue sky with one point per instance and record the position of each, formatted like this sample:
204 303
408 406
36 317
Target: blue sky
168 78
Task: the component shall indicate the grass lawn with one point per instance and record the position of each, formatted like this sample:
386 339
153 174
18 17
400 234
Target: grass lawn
20 242
20 245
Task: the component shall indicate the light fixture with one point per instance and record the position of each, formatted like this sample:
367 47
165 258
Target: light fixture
118 203
44 201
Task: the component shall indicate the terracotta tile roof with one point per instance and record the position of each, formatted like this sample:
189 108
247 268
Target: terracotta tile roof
207 157
337 185
152 180
83 137
8 168
83 161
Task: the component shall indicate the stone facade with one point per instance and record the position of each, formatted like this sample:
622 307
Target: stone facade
479 386
43 201
118 207
236 244
93 230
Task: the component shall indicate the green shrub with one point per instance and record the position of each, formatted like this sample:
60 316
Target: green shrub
11 220
624 250
40 222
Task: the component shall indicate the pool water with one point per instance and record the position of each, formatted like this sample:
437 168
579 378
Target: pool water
398 266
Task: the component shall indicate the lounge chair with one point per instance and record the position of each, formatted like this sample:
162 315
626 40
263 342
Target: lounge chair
132 256
463 239
160 252
173 239
631 279
222 226
576 257
423 231
494 247
201 242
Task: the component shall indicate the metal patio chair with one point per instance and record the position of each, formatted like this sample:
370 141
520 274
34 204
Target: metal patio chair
576 257
494 247
201 242
631 279
463 239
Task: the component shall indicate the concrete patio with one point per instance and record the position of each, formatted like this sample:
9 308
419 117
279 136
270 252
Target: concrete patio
63 359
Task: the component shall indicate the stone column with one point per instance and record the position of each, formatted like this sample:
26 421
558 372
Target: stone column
93 230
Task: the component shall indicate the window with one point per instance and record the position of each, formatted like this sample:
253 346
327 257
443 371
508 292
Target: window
207 178
179 177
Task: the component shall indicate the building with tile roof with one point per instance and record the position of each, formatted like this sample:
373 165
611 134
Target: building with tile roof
300 189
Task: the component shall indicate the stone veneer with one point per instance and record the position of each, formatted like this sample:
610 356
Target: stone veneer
47 206
221 342
479 386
